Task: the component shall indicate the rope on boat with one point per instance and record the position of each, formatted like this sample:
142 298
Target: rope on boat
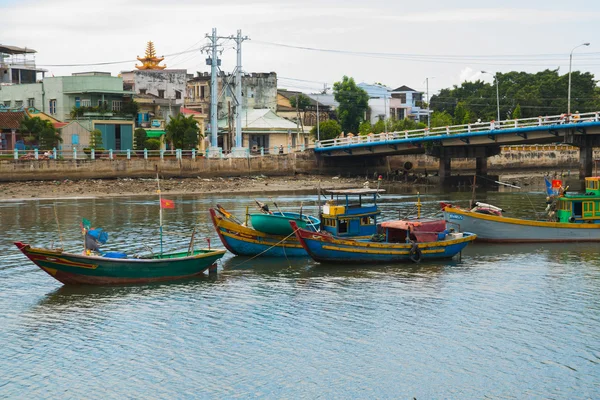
263 252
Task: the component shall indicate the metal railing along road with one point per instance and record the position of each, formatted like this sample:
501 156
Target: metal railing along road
466 128
75 154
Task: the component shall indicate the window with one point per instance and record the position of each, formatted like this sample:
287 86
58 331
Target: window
19 104
202 91
367 220
161 93
102 103
52 106
74 139
116 105
31 102
142 91
86 103
7 104
178 94
403 98
329 222
343 227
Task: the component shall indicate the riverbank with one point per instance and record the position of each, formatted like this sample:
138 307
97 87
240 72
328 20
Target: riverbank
97 188
141 186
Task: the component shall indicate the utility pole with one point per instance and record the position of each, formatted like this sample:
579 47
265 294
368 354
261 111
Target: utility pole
318 119
238 91
428 106
213 91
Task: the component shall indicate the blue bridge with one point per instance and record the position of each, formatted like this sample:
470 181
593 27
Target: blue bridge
478 140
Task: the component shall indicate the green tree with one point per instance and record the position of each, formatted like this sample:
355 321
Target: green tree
441 118
365 128
379 127
96 139
329 129
140 137
301 100
353 103
407 125
461 114
41 132
182 132
516 114
49 137
540 93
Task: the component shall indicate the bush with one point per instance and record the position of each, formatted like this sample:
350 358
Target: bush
153 144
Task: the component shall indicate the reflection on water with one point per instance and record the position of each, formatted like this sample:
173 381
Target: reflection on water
505 321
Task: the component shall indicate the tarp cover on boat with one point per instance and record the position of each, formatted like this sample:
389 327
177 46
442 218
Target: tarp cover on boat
423 231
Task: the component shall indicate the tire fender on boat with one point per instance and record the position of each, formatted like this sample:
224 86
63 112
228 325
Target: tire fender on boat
415 254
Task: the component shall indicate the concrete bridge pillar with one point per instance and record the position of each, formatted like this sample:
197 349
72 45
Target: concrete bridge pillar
445 168
586 146
481 166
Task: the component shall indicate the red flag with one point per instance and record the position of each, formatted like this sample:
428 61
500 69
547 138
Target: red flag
164 203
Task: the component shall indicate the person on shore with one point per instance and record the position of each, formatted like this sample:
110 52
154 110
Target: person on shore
280 149
576 117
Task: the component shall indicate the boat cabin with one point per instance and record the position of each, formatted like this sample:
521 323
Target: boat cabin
581 207
351 212
416 230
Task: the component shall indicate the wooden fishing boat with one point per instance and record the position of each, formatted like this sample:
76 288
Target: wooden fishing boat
242 240
401 241
116 268
348 213
278 223
571 218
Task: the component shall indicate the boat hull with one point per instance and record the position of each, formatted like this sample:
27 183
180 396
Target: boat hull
279 223
74 269
329 249
244 241
492 228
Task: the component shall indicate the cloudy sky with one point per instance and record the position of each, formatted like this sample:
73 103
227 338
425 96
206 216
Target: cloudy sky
312 42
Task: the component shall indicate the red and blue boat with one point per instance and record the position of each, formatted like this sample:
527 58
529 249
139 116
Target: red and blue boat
401 241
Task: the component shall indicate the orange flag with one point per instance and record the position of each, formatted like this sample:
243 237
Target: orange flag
164 203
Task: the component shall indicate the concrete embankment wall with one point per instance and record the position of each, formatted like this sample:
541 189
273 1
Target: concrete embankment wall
512 158
21 170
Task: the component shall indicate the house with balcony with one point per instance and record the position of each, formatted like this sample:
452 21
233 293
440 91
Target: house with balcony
96 99
17 66
408 103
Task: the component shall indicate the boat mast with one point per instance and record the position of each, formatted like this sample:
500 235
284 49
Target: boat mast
160 212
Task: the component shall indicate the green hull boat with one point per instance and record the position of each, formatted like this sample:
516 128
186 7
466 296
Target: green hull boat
79 269
278 223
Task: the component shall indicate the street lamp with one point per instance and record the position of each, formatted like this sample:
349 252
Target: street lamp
497 92
571 62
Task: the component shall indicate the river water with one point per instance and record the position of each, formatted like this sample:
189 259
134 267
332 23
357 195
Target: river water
506 321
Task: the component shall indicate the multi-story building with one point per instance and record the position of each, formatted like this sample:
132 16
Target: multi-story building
17 66
407 103
96 99
259 91
400 103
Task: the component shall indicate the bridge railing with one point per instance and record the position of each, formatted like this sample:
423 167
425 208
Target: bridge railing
466 128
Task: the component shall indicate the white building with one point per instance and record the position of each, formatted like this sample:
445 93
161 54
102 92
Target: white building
164 84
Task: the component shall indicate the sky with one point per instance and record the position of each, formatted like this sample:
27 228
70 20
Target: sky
313 43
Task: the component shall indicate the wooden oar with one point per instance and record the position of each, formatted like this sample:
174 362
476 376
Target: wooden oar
262 207
276 206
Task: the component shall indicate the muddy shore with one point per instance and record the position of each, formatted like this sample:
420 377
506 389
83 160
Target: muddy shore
256 184
134 186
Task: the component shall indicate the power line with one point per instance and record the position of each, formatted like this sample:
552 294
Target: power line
118 62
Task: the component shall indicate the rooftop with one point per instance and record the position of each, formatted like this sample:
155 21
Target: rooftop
11 119
15 50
